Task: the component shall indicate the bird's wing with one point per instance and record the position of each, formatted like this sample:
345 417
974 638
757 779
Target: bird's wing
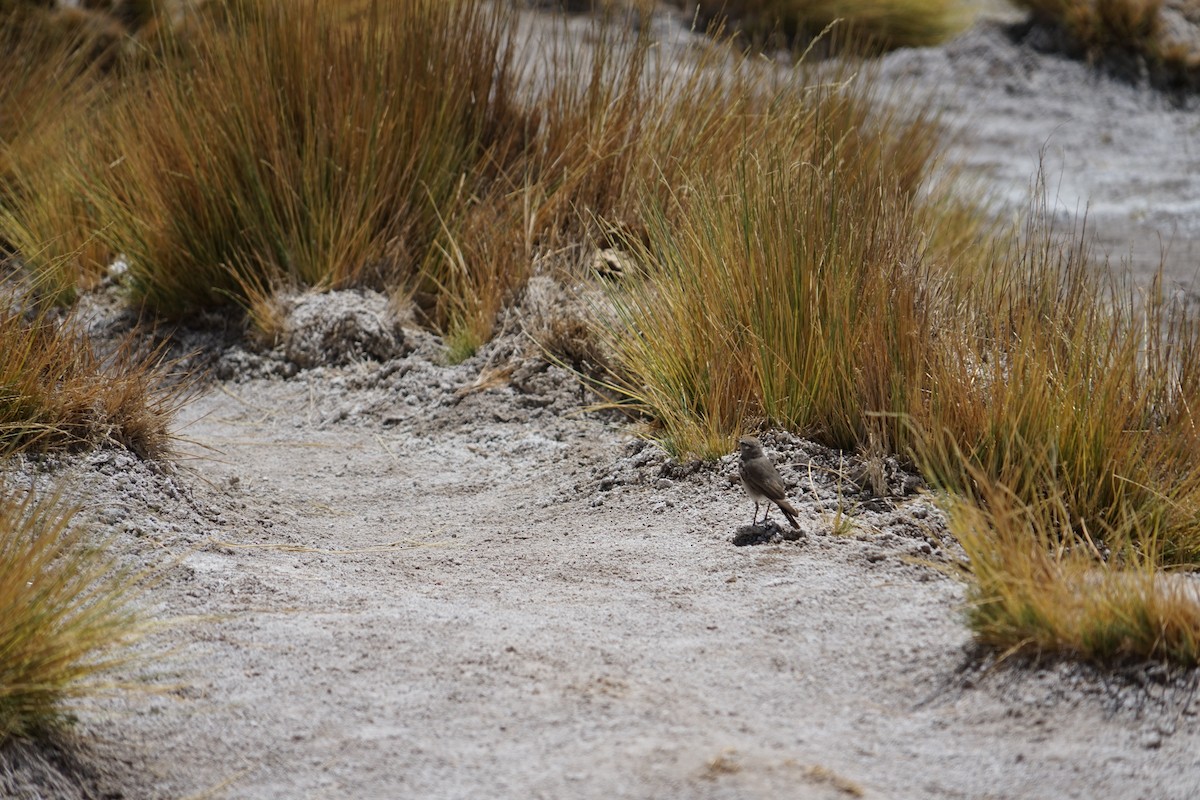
771 482
776 488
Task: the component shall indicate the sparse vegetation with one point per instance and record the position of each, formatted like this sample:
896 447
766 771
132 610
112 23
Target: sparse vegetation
1096 27
439 174
1078 387
57 389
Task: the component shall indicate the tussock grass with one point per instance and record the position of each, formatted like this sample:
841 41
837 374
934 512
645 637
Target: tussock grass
65 616
1076 388
395 144
43 71
794 285
862 24
1037 586
51 80
47 222
59 391
337 163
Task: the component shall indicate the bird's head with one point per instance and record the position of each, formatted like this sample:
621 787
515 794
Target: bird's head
750 447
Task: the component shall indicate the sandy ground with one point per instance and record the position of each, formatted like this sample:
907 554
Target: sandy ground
395 578
408 596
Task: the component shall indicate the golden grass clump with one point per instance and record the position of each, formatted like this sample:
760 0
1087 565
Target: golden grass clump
792 283
1061 380
1037 586
302 148
59 391
392 143
43 72
65 617
860 24
395 143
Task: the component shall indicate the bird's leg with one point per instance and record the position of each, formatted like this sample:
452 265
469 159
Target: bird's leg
755 522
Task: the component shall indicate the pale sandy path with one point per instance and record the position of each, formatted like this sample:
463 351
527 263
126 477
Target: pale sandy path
499 636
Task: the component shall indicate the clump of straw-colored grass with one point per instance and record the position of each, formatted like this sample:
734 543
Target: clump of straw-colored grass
65 615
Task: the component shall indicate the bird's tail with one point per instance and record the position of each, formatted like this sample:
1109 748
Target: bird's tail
789 511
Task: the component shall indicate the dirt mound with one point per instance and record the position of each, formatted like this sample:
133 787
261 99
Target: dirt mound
314 329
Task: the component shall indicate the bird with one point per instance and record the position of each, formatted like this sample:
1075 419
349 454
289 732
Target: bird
762 480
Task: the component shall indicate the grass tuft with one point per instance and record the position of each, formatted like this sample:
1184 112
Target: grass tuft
59 391
870 25
793 286
1039 584
330 168
65 617
1063 382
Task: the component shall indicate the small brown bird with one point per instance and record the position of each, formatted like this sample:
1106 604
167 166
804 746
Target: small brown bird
762 481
